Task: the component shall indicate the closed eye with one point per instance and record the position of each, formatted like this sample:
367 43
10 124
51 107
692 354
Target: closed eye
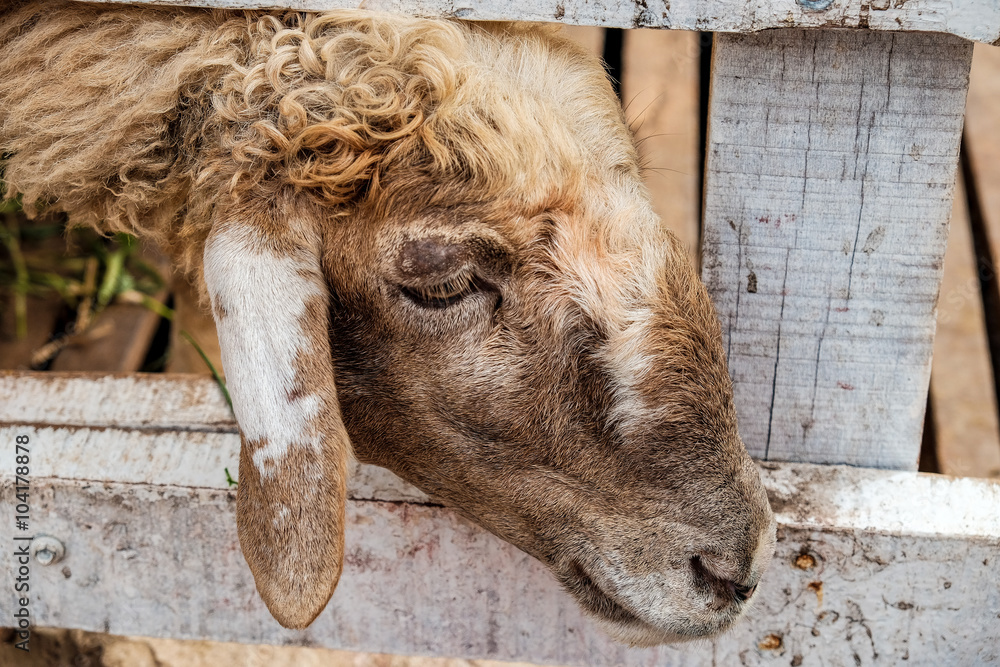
441 296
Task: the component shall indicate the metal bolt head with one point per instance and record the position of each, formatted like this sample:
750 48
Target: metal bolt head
816 5
47 550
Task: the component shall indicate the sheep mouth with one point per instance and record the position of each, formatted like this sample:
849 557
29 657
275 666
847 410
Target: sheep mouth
594 600
623 624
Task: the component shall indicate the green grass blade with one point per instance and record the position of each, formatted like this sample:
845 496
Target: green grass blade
215 374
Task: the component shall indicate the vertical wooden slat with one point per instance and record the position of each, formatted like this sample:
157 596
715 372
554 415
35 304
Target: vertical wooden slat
965 409
197 322
660 91
588 37
829 182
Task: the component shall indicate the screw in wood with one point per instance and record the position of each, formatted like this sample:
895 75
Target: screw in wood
47 550
816 5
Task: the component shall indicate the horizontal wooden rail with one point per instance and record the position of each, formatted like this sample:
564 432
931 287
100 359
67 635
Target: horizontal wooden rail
977 20
127 472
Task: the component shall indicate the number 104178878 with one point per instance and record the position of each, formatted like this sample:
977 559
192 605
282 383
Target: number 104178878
22 462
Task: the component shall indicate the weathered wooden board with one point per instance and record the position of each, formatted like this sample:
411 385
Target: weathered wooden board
156 429
660 92
977 20
154 401
859 571
866 562
965 407
829 185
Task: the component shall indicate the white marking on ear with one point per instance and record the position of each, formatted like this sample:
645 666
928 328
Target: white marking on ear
263 298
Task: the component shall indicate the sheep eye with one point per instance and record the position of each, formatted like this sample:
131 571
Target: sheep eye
441 296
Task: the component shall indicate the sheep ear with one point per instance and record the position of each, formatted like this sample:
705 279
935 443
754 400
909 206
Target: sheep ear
270 304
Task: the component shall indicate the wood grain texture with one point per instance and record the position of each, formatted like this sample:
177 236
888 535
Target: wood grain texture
660 92
135 492
858 572
155 401
977 20
965 408
171 430
829 185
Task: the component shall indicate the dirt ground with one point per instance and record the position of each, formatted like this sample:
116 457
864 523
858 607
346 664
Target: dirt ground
75 648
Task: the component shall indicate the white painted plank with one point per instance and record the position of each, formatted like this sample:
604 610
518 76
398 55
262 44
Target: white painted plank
829 184
144 429
167 457
871 568
138 400
977 20
148 525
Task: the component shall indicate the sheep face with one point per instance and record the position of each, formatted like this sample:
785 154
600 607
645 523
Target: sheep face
485 304
563 385
426 242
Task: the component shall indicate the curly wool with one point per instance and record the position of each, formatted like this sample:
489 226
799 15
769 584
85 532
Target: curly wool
145 119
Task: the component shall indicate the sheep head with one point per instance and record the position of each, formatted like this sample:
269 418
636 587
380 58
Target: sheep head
427 243
477 296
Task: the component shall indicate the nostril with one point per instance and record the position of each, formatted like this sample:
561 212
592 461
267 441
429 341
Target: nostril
722 587
743 593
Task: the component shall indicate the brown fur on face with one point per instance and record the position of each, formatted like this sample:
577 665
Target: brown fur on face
507 404
508 325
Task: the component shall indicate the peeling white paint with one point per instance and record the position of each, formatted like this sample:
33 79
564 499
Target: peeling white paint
978 20
165 561
903 556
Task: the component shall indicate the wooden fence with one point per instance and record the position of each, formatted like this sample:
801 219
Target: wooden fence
830 172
